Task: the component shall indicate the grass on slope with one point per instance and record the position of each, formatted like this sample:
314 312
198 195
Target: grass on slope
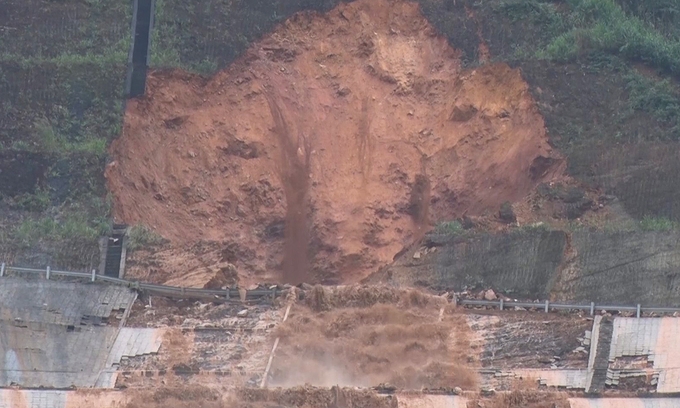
603 25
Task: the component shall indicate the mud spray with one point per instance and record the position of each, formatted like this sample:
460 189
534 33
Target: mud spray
294 170
371 335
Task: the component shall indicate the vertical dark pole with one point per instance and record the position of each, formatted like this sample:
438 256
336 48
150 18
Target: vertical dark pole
142 24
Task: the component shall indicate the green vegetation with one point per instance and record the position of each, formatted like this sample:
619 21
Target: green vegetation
604 26
169 39
75 222
602 37
602 34
73 228
36 202
61 100
658 224
49 140
67 235
532 228
141 236
657 98
543 15
449 228
116 55
648 223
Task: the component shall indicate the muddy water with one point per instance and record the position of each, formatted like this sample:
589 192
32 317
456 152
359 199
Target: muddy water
294 169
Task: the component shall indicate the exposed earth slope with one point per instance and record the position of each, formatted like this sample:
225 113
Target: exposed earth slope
327 148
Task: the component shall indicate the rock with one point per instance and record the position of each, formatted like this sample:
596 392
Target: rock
306 286
416 255
242 313
490 295
487 391
462 113
467 222
457 390
386 387
506 213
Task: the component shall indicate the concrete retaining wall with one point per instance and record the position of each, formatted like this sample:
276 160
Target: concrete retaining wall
606 267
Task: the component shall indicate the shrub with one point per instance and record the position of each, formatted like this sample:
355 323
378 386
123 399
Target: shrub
602 25
141 236
49 140
649 223
449 227
653 96
506 213
36 202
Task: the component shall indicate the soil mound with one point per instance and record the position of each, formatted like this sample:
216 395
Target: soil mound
328 147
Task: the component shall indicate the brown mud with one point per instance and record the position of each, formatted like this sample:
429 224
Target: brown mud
328 147
365 337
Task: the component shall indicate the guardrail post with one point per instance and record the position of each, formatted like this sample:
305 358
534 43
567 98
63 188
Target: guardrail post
501 303
2 270
47 274
547 306
454 300
94 275
182 290
638 311
228 294
592 308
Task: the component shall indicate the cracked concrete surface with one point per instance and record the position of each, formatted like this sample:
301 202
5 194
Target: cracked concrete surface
57 334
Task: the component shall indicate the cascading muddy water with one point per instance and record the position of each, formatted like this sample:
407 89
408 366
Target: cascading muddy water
294 169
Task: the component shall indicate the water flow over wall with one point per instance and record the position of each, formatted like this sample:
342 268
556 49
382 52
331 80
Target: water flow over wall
294 171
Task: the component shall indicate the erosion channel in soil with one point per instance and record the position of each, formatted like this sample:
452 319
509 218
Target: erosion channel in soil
328 147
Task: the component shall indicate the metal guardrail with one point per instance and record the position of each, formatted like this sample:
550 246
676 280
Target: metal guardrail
235 294
547 306
159 290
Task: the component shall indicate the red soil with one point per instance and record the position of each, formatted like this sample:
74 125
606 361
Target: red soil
329 146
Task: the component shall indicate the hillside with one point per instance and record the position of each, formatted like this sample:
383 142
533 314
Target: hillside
436 203
581 94
338 139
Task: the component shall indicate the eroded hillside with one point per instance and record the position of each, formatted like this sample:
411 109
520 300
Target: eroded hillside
331 145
